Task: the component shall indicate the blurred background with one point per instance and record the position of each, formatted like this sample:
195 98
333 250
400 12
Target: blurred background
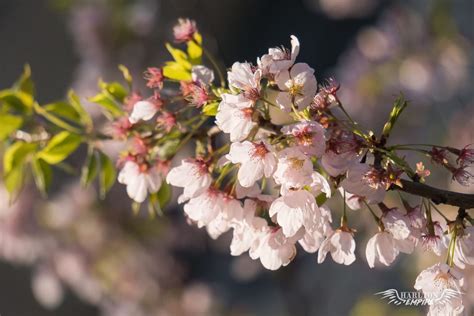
75 255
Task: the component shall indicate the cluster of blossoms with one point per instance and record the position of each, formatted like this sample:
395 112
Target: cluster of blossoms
288 154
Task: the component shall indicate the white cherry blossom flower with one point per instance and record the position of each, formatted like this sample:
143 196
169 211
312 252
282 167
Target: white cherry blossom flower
143 110
279 58
294 168
319 184
434 241
298 87
205 207
274 249
397 224
464 251
381 248
192 175
202 74
256 159
140 180
244 78
341 245
295 210
336 164
443 287
357 183
309 136
235 116
353 201
248 230
231 211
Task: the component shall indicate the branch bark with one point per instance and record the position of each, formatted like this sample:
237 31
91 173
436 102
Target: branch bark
438 196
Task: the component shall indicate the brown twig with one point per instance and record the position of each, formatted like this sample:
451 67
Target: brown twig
438 196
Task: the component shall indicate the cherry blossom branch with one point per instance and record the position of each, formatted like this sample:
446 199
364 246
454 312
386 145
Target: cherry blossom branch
438 196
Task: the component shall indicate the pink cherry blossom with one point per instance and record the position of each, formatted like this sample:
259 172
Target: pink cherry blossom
341 245
192 175
202 74
443 286
279 58
336 164
294 168
235 116
140 180
274 249
381 248
309 136
295 210
204 208
231 210
357 183
464 251
297 85
256 159
144 110
184 31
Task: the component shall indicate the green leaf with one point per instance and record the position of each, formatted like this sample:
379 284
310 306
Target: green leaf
9 124
84 116
173 70
158 200
126 75
179 56
63 110
60 147
198 38
42 175
321 199
115 89
112 109
54 119
14 165
399 105
107 174
16 154
194 53
17 100
164 194
90 168
210 109
24 83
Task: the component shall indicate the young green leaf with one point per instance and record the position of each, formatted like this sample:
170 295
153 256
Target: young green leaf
17 100
398 107
60 147
175 71
9 124
114 89
210 109
54 119
42 175
107 174
16 154
126 75
90 168
63 110
194 53
84 116
24 83
13 165
112 109
179 56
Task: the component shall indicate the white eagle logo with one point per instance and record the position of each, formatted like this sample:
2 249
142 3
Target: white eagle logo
417 298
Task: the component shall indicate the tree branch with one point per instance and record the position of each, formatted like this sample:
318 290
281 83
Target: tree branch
463 200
